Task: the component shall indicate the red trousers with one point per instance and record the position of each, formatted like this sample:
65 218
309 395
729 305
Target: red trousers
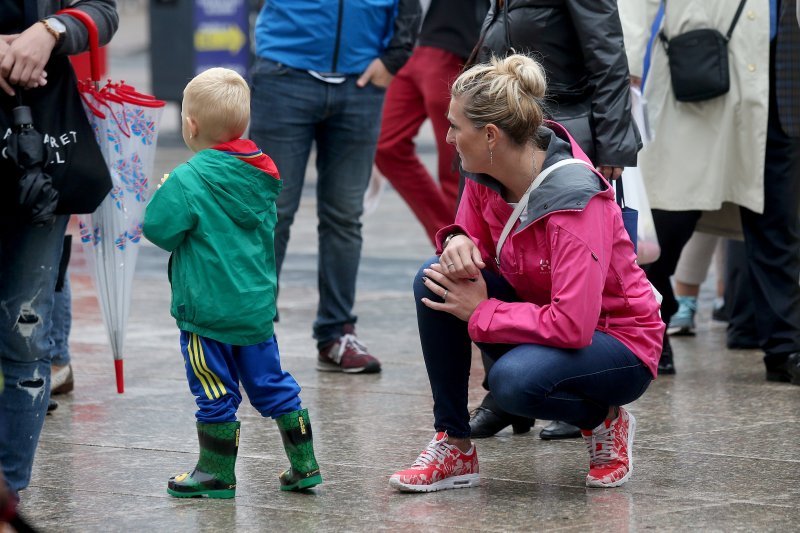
421 90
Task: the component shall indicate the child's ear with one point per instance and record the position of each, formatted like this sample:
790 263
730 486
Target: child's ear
192 125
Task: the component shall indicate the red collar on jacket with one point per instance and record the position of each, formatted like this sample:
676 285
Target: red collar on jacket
247 151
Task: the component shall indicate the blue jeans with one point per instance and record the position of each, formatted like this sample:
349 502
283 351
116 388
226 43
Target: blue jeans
530 380
29 258
291 110
215 369
62 323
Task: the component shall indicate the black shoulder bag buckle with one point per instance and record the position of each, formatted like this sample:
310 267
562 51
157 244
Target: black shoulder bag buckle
698 62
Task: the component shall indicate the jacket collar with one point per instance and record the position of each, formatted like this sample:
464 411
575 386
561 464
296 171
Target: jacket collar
568 188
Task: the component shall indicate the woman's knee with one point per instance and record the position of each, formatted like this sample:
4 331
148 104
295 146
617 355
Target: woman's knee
420 290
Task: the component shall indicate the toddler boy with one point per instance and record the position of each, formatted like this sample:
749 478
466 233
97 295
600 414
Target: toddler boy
216 214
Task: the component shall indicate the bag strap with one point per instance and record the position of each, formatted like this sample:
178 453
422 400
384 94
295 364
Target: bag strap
523 202
472 60
507 28
620 193
665 40
735 20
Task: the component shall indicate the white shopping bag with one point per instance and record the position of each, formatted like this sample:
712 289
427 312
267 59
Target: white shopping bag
648 249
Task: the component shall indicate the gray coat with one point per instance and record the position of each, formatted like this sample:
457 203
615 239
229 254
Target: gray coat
103 12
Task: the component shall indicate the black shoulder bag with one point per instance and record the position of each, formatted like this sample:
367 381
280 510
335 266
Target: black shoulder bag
75 162
698 62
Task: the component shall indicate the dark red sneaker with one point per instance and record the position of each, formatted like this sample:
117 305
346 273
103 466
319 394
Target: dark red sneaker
347 355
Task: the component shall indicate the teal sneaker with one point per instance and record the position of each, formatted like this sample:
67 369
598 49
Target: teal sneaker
682 322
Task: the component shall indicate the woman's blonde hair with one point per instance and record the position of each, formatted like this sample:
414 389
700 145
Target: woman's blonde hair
506 92
219 100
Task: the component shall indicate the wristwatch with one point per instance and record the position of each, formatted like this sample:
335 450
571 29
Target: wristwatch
449 238
55 28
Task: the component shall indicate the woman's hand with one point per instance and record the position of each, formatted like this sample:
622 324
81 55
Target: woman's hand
461 258
460 295
5 44
25 57
610 173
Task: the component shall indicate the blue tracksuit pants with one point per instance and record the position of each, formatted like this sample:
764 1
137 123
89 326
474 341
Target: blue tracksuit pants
215 369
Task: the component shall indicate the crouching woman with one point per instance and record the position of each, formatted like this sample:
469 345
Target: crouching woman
539 271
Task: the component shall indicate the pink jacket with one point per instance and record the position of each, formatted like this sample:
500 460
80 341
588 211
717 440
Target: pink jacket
571 264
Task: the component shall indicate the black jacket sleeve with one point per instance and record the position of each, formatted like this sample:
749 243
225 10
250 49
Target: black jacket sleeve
103 12
406 28
617 140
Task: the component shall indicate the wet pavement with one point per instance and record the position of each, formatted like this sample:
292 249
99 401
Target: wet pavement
717 447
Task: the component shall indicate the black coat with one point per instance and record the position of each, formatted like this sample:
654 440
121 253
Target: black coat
579 44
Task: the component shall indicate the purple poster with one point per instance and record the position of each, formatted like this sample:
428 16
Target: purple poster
221 35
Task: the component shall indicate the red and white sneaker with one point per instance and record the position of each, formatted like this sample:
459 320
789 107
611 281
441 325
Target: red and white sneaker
347 355
610 448
440 466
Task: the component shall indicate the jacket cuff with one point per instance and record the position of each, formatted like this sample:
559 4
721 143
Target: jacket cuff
481 319
442 234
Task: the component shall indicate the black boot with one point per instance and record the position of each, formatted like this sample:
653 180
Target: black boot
666 366
488 419
558 429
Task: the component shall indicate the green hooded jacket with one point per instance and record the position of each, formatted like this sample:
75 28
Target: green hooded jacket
217 215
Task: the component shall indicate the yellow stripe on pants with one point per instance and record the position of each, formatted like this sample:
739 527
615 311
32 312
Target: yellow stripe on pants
212 393
214 378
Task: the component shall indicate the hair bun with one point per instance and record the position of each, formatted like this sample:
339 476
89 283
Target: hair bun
527 72
506 92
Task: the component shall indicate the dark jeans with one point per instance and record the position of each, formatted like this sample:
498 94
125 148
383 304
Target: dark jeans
530 380
291 110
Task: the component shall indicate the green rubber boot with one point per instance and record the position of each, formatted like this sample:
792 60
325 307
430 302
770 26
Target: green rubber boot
295 431
214 474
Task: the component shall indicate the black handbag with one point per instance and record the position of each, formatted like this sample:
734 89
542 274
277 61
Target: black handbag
75 162
698 62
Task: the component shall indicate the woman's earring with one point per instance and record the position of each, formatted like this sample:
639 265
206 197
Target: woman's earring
491 161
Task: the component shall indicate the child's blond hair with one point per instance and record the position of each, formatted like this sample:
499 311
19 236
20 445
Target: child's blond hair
218 99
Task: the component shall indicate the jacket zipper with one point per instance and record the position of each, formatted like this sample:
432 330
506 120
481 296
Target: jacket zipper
338 37
621 286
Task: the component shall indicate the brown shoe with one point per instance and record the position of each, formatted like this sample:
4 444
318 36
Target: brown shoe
62 380
347 355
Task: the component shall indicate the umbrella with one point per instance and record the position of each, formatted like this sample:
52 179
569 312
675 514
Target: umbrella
27 149
125 123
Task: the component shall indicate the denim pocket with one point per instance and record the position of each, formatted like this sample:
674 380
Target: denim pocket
267 67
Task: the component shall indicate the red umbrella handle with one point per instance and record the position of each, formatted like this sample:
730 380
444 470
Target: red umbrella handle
94 39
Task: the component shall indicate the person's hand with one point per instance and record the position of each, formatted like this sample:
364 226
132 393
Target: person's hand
636 81
377 74
610 173
27 54
5 44
461 258
460 296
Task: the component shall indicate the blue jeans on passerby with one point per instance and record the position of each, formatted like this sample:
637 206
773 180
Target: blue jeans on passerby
29 258
290 111
215 369
62 323
530 380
